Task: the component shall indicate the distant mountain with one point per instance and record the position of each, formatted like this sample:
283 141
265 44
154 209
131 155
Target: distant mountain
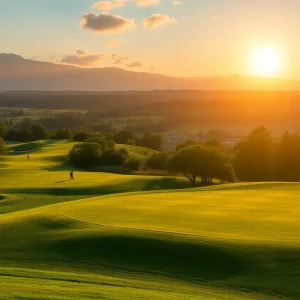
19 74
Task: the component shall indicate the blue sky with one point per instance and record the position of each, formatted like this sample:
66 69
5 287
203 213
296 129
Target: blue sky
209 37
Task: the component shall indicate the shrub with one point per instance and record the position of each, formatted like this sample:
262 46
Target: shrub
151 140
99 140
62 134
113 157
80 136
2 146
157 161
86 154
135 164
123 136
3 130
19 136
39 132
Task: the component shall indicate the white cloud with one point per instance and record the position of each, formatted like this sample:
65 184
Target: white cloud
108 5
147 2
104 22
83 59
156 20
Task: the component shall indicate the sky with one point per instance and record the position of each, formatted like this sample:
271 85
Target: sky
184 38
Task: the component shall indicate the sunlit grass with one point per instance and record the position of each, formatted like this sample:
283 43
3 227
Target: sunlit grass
108 236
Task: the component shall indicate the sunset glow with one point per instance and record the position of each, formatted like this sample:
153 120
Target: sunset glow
265 61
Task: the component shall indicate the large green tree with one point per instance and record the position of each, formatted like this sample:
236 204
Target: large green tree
199 161
287 157
39 132
85 155
254 156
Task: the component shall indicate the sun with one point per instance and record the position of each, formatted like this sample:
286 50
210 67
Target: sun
265 61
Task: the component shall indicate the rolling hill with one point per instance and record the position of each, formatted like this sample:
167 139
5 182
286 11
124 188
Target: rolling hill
19 74
109 236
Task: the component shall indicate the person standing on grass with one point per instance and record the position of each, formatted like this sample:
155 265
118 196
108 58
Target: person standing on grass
28 156
72 176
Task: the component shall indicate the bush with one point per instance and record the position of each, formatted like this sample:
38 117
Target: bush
111 143
62 134
99 140
151 140
39 132
2 146
3 130
134 164
113 157
123 136
80 136
185 143
86 154
157 161
19 136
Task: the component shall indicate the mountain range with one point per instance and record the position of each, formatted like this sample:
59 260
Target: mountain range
19 74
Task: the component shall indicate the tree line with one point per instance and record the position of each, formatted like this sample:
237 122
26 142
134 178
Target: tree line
256 157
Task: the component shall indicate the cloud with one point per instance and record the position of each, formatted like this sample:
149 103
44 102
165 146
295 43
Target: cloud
83 59
147 2
108 5
156 20
113 43
176 2
81 52
118 59
216 18
136 64
104 22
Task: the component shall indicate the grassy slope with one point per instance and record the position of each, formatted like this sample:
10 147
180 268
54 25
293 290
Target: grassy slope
235 241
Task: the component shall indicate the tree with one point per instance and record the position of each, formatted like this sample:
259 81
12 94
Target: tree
19 136
2 146
121 137
99 140
254 156
3 130
134 164
197 160
225 172
158 161
151 140
85 155
62 134
80 136
287 158
113 157
39 132
185 143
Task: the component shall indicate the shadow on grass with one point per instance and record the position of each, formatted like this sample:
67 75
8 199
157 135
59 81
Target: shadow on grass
172 257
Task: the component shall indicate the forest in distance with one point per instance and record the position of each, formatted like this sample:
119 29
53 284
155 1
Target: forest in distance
238 110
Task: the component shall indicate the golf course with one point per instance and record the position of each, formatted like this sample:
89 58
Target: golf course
112 236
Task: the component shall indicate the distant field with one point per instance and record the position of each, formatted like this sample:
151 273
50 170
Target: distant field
109 236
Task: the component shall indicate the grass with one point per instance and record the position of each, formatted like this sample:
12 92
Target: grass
108 236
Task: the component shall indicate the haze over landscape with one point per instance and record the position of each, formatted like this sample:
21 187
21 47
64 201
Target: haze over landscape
149 149
19 74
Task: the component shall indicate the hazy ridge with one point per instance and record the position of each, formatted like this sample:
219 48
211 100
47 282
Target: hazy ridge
19 74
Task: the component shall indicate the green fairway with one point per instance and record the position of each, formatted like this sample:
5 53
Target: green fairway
109 236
